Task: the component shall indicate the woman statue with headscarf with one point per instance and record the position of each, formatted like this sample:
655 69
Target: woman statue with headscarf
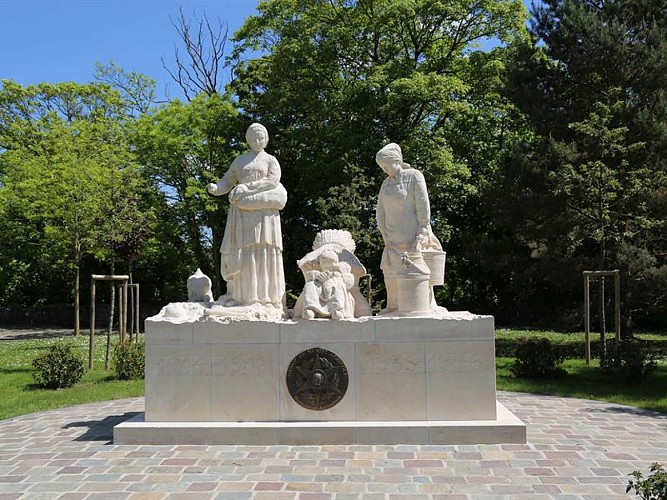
251 250
403 216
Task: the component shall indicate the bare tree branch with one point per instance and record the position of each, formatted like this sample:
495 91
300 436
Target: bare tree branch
204 44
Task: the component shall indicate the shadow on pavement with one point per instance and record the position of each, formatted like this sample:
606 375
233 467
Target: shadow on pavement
101 430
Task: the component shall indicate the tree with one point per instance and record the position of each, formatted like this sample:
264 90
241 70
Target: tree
339 79
198 72
63 146
591 85
137 90
183 147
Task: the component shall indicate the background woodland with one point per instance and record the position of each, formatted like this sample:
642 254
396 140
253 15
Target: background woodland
545 155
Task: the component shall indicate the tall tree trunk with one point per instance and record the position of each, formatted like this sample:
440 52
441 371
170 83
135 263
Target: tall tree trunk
627 328
601 265
603 320
77 292
112 304
132 291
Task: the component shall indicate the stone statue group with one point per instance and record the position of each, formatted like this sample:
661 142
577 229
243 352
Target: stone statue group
251 251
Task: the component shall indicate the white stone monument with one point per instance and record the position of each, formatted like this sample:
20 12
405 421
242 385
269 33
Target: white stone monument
251 254
412 260
237 372
332 273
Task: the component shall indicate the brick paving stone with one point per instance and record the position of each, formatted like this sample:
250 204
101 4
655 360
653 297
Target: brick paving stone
236 486
304 487
345 487
232 496
190 495
202 486
274 495
577 450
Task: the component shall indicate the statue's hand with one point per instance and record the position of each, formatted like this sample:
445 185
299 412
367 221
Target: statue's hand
422 240
238 192
212 188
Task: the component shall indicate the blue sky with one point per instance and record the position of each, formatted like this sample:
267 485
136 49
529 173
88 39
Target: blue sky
52 41
61 40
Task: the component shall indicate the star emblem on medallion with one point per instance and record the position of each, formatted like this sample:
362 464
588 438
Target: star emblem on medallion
317 379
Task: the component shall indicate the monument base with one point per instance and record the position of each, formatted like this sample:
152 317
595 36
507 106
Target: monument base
506 428
380 380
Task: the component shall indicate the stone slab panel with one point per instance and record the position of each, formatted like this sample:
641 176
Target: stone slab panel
166 332
391 383
460 326
178 383
244 386
236 332
507 428
326 330
460 381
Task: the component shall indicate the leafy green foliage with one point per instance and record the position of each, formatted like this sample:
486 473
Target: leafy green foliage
69 188
653 487
629 363
537 358
338 80
589 187
183 147
58 368
130 360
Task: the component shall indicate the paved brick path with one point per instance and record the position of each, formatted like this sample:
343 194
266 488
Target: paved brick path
577 449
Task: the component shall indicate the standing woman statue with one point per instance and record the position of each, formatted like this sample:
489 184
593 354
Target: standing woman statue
404 219
251 251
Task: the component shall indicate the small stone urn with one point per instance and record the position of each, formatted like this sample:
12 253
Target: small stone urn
199 288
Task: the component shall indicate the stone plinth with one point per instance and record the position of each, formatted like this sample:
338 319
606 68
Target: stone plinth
428 380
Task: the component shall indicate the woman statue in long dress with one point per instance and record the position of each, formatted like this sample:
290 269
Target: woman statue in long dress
403 216
251 251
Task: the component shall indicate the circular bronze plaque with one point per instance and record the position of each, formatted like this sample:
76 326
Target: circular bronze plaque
317 379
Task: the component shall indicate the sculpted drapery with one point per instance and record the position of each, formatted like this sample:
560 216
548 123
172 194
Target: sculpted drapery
251 250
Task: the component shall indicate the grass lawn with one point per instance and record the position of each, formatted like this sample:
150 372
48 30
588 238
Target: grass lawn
21 396
586 382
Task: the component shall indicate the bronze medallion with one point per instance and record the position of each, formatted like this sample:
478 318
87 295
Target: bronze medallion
317 379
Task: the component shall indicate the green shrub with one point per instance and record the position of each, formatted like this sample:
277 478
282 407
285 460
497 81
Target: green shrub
631 363
58 368
537 358
130 361
654 487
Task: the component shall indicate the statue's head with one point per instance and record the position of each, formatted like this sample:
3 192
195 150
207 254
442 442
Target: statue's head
257 137
328 260
390 159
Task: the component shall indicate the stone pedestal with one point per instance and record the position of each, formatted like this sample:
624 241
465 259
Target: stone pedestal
411 380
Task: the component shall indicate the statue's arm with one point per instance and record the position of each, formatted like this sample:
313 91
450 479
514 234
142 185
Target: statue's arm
226 184
269 182
380 215
425 239
422 206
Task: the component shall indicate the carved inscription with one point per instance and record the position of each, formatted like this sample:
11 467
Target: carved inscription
241 365
393 363
453 363
177 366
